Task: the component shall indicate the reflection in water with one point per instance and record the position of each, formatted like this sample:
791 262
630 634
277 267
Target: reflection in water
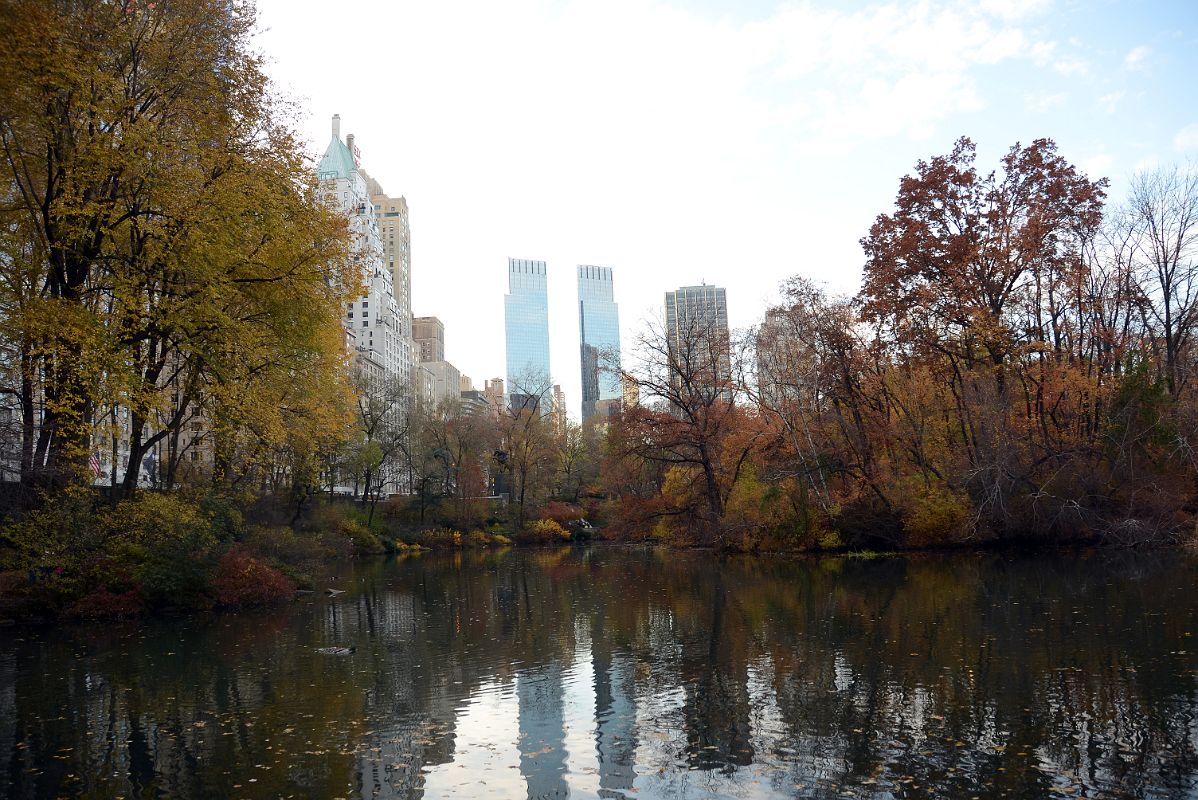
629 673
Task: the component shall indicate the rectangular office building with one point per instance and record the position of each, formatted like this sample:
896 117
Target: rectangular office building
526 329
599 335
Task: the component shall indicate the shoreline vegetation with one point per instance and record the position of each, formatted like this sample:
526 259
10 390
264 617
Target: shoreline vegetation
161 553
1017 368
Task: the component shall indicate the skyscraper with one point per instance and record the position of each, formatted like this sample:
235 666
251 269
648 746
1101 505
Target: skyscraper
526 328
391 216
699 308
599 335
380 337
696 328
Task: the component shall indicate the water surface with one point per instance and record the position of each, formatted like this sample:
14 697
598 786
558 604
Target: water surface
621 673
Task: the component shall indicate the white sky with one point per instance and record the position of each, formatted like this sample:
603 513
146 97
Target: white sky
734 142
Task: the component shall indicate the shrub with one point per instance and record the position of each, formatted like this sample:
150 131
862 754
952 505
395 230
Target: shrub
242 580
362 540
543 531
326 516
830 540
74 548
155 520
561 513
226 520
441 538
104 604
934 515
176 576
283 544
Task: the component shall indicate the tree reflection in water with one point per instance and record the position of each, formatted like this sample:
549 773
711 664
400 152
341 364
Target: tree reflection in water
619 673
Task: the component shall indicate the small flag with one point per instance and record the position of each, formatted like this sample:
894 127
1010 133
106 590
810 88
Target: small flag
95 464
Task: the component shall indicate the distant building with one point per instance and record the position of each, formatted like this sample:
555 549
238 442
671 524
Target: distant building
599 337
429 336
424 386
391 216
446 380
379 335
475 403
696 319
493 391
704 308
631 392
557 411
526 331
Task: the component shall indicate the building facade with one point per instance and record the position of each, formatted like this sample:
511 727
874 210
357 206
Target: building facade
446 381
526 332
696 323
557 411
493 391
429 335
391 218
702 308
380 335
599 338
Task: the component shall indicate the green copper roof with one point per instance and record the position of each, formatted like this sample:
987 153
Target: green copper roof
338 162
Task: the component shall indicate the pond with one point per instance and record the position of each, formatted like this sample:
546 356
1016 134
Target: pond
620 673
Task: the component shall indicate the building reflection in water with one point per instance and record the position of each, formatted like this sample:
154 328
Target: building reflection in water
622 673
542 732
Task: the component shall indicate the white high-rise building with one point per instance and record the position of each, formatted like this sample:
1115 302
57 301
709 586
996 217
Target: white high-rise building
381 338
391 214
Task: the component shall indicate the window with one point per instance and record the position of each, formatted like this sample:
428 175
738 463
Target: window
365 323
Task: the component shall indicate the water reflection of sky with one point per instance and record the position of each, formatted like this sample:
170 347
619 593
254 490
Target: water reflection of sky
622 674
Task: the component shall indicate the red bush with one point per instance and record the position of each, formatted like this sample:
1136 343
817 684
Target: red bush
103 604
242 580
561 513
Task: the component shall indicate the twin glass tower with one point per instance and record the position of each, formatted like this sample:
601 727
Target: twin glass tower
526 326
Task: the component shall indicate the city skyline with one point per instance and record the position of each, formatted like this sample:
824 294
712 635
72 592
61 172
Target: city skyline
742 144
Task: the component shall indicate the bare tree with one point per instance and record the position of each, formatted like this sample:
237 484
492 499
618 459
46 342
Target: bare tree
382 421
694 374
1162 213
526 438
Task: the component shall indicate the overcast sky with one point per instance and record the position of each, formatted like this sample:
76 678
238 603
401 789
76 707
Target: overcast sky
736 143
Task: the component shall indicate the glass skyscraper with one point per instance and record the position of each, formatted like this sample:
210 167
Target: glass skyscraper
599 334
526 326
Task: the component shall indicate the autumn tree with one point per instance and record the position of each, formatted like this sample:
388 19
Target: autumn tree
169 250
966 255
976 275
455 451
693 374
526 438
381 434
577 452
